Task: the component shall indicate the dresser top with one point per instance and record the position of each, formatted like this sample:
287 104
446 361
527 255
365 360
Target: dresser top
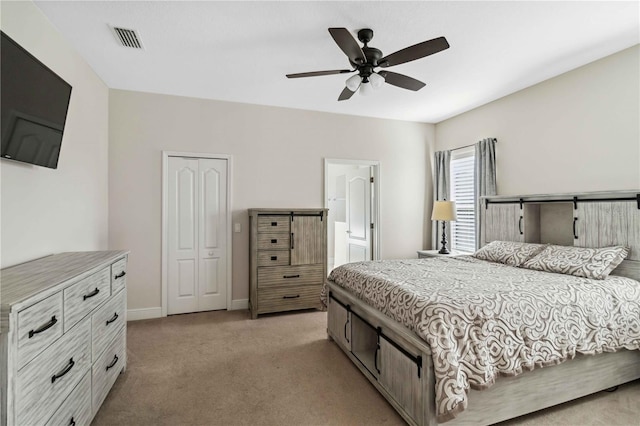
26 280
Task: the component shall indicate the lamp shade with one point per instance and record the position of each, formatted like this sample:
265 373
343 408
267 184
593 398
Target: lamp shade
444 210
353 82
376 80
366 88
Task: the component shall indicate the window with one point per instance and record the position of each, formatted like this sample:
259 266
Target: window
463 231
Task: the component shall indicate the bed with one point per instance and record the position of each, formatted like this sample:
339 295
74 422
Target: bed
468 341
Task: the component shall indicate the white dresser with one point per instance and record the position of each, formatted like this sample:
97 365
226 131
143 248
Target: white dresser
62 337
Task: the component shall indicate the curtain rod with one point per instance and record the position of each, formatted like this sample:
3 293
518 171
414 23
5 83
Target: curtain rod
466 146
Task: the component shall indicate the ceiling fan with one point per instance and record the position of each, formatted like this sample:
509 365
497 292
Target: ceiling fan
366 59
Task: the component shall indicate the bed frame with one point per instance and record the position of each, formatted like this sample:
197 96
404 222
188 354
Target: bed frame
398 363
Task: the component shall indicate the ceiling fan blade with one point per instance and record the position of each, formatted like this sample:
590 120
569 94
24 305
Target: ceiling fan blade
414 52
401 80
346 94
348 44
318 73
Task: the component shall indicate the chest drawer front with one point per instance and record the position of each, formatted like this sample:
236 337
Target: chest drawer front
118 275
273 258
290 276
85 295
44 383
39 326
76 409
273 223
106 322
274 241
287 299
106 369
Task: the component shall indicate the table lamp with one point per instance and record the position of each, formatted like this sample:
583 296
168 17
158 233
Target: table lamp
444 211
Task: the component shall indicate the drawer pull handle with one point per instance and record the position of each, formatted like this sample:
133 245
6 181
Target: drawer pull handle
274 223
274 257
291 297
291 276
93 293
42 328
274 241
114 362
63 372
115 317
120 275
72 422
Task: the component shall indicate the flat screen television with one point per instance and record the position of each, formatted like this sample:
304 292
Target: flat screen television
33 107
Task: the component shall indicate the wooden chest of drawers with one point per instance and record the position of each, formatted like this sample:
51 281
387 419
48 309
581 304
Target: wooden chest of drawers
63 337
288 259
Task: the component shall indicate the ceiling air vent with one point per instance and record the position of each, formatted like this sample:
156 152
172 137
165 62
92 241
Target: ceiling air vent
127 38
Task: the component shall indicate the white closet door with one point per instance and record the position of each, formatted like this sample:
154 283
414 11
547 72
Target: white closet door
212 288
183 236
197 235
358 214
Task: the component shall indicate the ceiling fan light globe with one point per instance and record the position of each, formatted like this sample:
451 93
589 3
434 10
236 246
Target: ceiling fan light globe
376 80
353 82
366 89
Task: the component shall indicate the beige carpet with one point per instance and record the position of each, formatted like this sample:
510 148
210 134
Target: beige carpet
222 368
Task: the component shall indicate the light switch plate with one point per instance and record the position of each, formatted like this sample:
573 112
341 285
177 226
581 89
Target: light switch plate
236 227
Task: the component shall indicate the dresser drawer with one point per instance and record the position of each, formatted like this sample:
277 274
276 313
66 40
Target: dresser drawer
106 322
287 299
274 241
76 409
290 275
85 295
273 257
44 383
106 369
118 275
39 325
273 223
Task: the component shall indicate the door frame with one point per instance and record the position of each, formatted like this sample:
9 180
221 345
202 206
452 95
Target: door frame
165 208
375 196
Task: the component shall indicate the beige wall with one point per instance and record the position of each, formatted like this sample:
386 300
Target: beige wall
277 162
579 131
43 210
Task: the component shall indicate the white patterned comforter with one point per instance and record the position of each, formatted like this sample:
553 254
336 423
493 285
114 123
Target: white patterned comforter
483 319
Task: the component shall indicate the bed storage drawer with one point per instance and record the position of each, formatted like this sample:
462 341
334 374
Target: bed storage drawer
106 322
76 409
106 369
273 258
118 275
274 241
85 295
46 381
284 299
284 276
39 325
273 223
339 322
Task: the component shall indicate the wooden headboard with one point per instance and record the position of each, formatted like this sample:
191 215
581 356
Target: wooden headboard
587 219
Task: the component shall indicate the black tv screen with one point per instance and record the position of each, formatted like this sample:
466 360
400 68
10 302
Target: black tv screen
33 107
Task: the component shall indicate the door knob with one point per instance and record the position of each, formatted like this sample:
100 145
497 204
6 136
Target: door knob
348 232
210 253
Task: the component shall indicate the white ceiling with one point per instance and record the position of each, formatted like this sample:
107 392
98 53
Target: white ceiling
241 51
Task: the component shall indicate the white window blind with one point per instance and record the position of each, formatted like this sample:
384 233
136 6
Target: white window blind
463 231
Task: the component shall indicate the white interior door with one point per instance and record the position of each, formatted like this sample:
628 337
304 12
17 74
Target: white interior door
358 214
197 235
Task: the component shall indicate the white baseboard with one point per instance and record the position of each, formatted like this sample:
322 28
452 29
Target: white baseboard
144 313
148 313
239 304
